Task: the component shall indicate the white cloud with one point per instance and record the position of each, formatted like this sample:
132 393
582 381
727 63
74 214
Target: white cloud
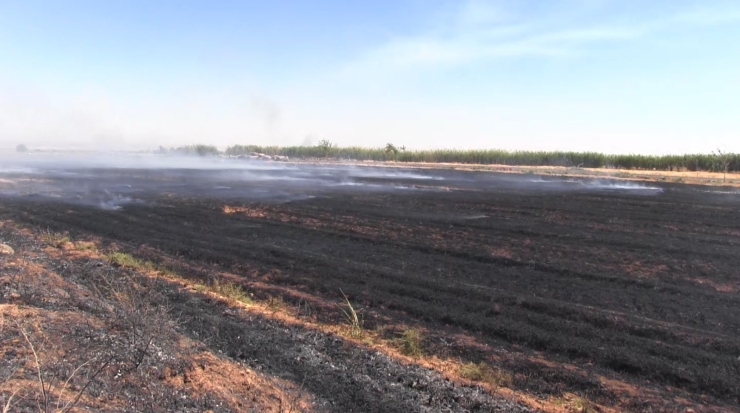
478 13
706 17
484 31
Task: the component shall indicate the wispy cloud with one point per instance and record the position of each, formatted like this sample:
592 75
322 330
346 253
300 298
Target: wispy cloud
706 17
483 31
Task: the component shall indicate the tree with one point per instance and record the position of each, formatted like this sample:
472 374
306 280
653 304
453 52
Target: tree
206 150
390 149
325 147
723 158
21 148
200 150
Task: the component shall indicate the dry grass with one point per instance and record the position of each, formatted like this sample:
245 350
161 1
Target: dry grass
86 246
409 343
104 334
55 239
124 260
353 319
276 303
581 405
484 373
231 291
575 404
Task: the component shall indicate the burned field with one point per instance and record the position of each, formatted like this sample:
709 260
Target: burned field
624 293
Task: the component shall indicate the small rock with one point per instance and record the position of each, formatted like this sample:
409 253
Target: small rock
6 250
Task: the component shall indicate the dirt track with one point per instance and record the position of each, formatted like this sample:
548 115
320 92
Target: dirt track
569 285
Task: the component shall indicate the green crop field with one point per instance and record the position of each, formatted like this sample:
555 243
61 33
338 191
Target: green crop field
716 162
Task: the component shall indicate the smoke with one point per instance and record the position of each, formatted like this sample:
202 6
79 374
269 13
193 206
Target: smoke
96 118
595 184
309 140
115 181
626 186
269 113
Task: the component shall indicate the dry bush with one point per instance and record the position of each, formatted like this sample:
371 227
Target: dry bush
139 310
275 304
575 404
53 362
123 259
86 246
484 373
231 291
581 405
41 379
55 239
410 343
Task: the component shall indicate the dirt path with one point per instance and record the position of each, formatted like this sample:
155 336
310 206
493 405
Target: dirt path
731 179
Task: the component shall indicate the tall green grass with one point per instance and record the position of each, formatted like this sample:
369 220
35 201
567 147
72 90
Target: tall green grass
688 162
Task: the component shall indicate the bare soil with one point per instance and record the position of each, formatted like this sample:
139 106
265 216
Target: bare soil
731 178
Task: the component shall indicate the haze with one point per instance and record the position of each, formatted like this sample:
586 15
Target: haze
588 75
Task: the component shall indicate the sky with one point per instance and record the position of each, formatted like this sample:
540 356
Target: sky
625 76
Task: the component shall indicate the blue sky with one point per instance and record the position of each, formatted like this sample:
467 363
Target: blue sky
602 75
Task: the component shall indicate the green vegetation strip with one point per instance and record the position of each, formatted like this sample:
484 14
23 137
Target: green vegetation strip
715 162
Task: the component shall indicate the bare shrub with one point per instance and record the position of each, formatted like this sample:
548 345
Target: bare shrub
57 385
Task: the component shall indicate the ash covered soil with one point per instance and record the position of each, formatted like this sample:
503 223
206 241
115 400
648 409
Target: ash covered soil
623 293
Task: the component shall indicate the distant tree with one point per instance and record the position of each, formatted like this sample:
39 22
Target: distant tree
390 149
696 165
723 159
206 150
200 150
21 148
325 147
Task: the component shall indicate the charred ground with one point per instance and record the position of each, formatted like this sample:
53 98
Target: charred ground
624 293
